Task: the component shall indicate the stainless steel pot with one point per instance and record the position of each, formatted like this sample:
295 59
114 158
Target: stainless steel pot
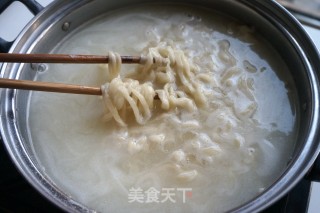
59 19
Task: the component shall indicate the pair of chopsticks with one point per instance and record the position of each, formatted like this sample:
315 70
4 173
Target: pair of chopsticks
58 58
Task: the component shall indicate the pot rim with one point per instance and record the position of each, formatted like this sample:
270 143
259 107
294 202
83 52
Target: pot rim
294 172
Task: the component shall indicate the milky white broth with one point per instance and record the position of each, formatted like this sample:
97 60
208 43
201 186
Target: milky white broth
224 157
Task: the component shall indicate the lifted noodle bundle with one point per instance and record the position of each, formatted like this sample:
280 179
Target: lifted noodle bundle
120 94
168 74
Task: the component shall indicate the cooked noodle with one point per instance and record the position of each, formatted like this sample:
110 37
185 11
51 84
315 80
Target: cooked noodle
205 110
175 83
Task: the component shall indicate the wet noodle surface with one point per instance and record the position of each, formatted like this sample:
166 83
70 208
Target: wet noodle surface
237 143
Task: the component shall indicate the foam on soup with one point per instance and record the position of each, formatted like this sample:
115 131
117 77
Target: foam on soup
210 159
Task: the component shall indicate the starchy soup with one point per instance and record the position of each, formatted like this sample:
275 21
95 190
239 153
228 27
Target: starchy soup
219 133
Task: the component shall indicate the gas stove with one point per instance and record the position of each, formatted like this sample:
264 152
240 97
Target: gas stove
16 195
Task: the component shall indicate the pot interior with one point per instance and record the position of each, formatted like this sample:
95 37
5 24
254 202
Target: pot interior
61 20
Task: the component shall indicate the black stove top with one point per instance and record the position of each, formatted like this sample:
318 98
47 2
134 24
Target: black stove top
16 194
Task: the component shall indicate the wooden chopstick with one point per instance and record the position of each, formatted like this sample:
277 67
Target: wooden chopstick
52 87
49 87
64 58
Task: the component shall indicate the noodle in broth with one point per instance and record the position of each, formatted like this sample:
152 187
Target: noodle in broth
222 127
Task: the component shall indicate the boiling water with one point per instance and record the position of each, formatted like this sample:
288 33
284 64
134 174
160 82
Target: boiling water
213 159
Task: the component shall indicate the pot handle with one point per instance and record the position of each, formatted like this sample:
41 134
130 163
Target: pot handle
314 173
32 5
